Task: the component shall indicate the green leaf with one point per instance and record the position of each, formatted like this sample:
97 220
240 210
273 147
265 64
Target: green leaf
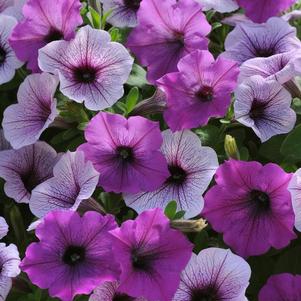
289 262
104 18
180 214
210 135
114 32
137 77
132 99
271 148
291 146
95 18
171 209
216 25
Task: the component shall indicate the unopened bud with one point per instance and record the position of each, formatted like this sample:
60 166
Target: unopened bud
189 226
231 148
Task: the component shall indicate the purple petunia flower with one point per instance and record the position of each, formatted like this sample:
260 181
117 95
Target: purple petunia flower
126 153
23 123
151 255
123 12
261 10
91 68
3 227
8 61
251 206
109 292
222 6
249 40
74 254
74 180
201 89
191 168
4 144
295 189
167 31
214 274
281 67
281 287
26 168
264 105
44 21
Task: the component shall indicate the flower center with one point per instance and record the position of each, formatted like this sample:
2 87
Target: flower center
177 175
264 52
85 74
179 38
125 153
205 94
122 297
2 55
132 4
257 110
207 294
260 199
141 262
29 181
74 255
53 35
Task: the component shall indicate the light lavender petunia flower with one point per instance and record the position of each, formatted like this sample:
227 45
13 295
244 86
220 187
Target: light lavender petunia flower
9 263
23 123
191 168
249 40
3 227
26 168
264 105
214 274
12 8
4 144
123 12
74 180
108 291
91 68
295 189
8 60
222 6
281 67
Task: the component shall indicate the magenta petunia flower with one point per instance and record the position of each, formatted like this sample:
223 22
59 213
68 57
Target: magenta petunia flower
281 67
295 189
8 60
191 168
264 105
151 255
251 206
91 68
222 6
123 12
249 40
167 31
26 168
23 123
261 10
44 21
214 274
281 287
73 181
109 292
199 90
74 254
126 153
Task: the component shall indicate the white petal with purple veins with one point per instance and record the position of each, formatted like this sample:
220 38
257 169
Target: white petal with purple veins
3 227
222 6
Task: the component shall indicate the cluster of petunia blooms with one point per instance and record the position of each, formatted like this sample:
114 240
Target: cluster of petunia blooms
255 207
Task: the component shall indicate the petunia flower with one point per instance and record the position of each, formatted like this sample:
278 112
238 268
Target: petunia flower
264 105
23 123
108 291
295 189
8 60
73 181
44 21
281 287
214 274
26 168
249 40
199 90
3 227
191 168
222 6
4 144
9 262
73 255
151 256
167 31
126 153
251 206
123 13
261 10
281 67
91 68
12 8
